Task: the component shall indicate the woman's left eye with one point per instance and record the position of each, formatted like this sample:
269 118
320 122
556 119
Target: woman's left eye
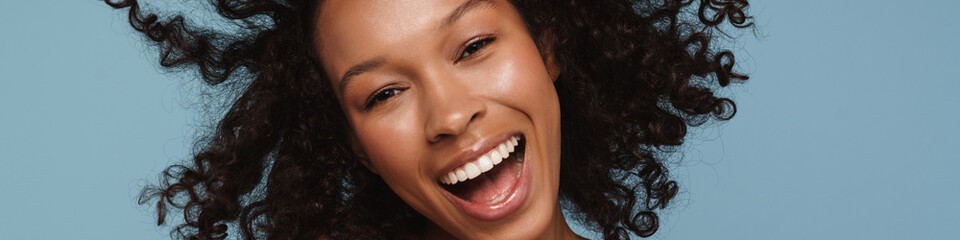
381 96
474 47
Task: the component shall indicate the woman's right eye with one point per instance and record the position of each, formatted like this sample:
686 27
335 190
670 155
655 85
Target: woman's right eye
381 96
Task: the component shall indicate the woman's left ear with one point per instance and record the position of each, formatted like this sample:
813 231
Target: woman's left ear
552 69
547 44
361 155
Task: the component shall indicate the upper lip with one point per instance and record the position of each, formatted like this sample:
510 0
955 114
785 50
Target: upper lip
478 149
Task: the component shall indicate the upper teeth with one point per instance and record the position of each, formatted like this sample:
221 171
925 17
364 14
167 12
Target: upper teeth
483 164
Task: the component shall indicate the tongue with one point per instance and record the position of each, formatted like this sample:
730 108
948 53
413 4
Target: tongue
491 185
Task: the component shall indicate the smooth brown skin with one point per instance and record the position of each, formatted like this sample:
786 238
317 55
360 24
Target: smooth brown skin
443 104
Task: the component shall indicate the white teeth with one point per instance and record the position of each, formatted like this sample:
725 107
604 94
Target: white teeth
503 149
495 154
451 178
472 170
483 164
461 175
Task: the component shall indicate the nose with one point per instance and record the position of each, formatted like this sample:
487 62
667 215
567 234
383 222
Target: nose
451 107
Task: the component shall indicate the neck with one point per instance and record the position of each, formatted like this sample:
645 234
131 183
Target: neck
560 229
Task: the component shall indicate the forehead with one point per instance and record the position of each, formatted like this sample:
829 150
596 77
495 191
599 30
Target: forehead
350 30
372 18
382 20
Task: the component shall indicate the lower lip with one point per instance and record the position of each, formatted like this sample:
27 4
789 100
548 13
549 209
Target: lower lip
492 212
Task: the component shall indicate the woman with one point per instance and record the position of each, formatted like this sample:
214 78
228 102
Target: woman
441 119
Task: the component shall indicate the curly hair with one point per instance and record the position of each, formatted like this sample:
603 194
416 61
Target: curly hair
634 75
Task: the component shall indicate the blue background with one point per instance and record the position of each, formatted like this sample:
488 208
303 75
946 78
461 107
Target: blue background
847 129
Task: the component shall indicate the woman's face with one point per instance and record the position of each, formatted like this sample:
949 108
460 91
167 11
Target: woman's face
453 106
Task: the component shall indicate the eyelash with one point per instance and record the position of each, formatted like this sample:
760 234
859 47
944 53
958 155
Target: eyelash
382 95
475 46
469 50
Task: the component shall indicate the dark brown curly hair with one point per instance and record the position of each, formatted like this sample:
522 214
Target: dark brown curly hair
635 74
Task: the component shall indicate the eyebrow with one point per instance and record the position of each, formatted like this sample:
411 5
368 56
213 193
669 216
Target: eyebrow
359 69
374 63
462 10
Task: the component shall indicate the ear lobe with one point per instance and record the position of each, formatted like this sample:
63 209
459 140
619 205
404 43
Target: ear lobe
361 155
552 69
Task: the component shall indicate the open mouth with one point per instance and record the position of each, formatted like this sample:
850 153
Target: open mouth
490 178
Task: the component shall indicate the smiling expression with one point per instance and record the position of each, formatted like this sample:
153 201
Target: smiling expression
435 92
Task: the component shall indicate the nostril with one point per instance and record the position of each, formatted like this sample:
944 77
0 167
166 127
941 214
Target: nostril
475 116
439 137
450 124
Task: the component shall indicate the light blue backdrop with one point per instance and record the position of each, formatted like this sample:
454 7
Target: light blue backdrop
847 129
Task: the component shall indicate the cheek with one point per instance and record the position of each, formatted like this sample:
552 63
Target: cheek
387 143
525 83
529 88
